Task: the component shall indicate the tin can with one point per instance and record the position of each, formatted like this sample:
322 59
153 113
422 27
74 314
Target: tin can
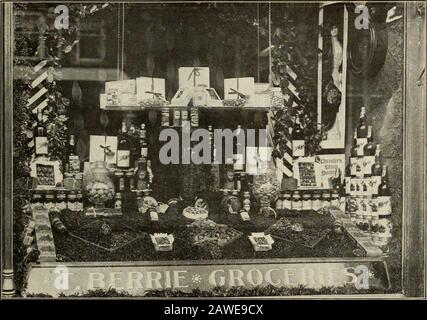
307 203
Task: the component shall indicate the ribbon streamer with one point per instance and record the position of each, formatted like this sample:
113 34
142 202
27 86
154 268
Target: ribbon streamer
195 73
156 95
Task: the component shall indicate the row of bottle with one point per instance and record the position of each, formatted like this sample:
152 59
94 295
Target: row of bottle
309 200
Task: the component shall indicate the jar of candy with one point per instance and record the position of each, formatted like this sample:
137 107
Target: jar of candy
335 199
296 201
307 203
61 200
71 201
326 199
317 201
287 200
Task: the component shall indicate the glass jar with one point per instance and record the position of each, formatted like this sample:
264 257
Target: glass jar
279 201
118 201
296 201
326 199
194 117
165 117
307 203
287 200
50 201
317 201
120 181
61 200
71 201
100 188
36 200
246 201
335 199
130 178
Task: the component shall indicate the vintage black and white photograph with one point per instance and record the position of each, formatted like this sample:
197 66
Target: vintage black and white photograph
160 149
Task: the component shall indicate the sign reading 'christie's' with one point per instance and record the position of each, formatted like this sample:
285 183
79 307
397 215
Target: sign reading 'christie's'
54 278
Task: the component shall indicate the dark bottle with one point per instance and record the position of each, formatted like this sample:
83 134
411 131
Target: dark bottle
353 151
369 148
142 182
362 130
40 136
238 151
123 149
143 141
383 189
298 140
376 167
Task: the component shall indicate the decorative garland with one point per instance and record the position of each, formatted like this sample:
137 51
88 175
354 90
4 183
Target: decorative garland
57 43
267 291
296 47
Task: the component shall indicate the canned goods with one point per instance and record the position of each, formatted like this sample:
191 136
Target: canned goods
317 201
307 203
296 201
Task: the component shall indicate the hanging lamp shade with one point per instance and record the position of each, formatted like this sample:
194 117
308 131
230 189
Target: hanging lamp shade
170 38
150 63
104 120
76 93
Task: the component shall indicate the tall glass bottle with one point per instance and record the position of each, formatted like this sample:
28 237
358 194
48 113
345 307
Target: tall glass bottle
40 137
123 149
298 140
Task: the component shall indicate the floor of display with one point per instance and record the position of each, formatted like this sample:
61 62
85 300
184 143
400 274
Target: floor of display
127 237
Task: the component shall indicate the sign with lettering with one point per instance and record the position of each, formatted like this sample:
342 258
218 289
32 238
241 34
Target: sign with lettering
137 278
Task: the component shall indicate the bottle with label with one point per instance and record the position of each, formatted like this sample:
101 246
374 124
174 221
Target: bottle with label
176 118
368 154
376 172
73 159
356 161
384 196
142 175
238 152
123 149
298 140
143 141
362 133
362 130
40 136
